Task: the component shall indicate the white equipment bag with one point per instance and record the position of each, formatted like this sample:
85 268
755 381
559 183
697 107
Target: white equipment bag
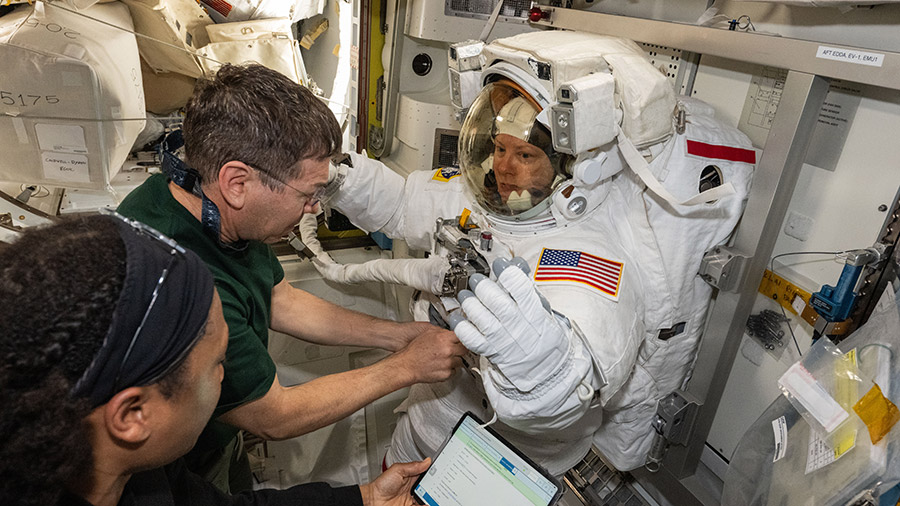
179 24
268 42
66 78
231 11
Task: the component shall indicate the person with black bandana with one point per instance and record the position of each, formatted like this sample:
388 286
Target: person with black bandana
257 148
112 341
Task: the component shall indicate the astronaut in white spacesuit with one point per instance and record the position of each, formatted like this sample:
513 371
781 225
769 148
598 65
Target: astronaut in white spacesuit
607 217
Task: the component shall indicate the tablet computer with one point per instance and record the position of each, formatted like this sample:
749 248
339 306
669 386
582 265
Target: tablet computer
476 466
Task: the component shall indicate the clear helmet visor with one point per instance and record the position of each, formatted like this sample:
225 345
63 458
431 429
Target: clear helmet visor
505 154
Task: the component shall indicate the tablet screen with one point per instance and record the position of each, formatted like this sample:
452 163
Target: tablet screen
476 467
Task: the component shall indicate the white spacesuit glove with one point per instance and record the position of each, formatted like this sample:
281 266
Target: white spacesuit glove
509 324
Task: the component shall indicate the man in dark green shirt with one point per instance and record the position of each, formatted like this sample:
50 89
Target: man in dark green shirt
261 146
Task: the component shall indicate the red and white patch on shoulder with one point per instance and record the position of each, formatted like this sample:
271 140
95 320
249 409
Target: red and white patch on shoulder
719 152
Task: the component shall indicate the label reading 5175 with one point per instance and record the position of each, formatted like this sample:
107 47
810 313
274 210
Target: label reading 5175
26 99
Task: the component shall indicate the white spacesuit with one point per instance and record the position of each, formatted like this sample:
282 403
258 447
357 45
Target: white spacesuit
616 262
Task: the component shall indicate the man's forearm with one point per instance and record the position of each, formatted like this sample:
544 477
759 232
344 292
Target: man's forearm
303 315
286 412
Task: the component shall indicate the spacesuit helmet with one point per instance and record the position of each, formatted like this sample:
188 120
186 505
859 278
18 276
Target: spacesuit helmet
506 154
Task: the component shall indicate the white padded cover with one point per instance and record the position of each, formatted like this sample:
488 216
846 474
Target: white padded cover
65 78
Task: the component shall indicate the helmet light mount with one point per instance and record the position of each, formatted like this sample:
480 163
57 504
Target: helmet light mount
584 115
465 73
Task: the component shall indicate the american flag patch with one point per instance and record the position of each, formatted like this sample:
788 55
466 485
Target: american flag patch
579 267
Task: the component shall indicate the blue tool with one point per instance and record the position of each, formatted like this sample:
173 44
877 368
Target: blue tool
834 303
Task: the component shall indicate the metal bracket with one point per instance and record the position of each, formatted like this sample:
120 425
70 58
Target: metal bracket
674 420
464 258
723 268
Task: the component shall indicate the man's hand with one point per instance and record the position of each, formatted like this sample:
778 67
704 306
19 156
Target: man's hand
431 357
407 332
393 487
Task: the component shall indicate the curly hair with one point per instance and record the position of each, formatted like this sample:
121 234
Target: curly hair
58 286
257 116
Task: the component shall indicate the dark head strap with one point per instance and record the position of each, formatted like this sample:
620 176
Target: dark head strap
188 178
155 323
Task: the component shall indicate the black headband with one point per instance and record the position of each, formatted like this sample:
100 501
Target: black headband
141 347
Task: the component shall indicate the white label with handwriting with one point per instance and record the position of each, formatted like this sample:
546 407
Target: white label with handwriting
68 167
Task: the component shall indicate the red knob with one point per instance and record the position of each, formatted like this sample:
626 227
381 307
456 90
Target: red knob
536 14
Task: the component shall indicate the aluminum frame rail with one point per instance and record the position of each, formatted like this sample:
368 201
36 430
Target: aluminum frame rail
782 52
773 185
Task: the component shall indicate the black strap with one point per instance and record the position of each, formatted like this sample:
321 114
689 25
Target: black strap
186 177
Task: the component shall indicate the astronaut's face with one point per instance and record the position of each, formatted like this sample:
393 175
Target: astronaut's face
520 167
506 156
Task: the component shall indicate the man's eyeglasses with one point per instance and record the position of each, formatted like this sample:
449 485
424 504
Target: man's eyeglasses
320 195
175 250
